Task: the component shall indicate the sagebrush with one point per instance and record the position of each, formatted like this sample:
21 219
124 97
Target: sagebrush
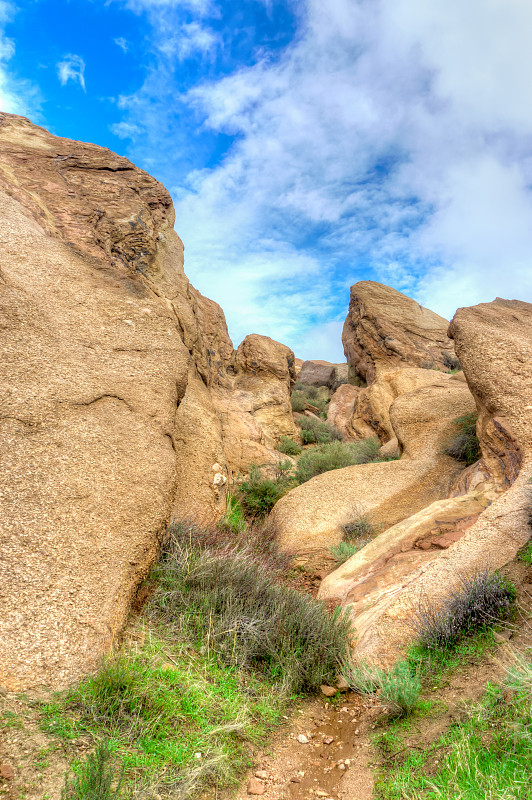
465 446
336 455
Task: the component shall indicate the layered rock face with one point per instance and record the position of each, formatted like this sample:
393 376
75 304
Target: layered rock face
422 557
386 329
120 393
310 518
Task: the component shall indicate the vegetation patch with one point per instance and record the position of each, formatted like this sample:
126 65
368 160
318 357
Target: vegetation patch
259 492
465 446
357 534
289 447
336 455
96 778
486 755
477 601
399 688
303 396
315 431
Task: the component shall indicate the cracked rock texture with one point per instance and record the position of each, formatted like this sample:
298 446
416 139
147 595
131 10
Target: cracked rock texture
122 400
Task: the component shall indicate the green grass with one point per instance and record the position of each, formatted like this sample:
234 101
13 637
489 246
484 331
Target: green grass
95 779
486 756
159 706
344 550
233 519
525 554
436 665
259 492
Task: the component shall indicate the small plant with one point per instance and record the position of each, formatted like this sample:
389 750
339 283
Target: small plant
316 397
451 361
313 430
465 445
233 519
525 554
400 688
359 530
298 401
479 600
96 778
288 447
344 550
335 455
259 494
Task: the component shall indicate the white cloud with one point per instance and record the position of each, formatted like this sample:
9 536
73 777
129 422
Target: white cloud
125 130
395 134
17 96
191 39
121 43
71 68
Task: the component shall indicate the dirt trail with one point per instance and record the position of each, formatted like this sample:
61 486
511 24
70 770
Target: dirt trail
332 763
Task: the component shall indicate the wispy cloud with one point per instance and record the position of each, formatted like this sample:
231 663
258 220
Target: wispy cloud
17 96
390 139
121 43
71 68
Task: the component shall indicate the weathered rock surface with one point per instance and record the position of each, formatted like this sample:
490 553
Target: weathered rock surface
310 518
422 557
114 376
386 329
323 373
341 409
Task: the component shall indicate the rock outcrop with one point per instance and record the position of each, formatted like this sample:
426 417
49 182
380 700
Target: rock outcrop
323 373
386 329
310 518
120 393
406 566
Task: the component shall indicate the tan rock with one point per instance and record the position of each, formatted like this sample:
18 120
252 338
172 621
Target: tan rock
386 329
341 409
113 380
323 373
393 574
255 787
311 517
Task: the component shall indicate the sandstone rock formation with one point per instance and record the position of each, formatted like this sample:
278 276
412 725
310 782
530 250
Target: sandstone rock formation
386 329
323 373
310 518
407 565
120 393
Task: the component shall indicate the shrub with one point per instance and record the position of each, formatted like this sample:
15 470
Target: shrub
400 688
465 445
358 530
259 494
298 401
345 550
96 778
335 455
235 606
313 430
479 600
289 447
451 361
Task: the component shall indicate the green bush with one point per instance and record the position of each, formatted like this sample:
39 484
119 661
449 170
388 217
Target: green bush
479 600
314 430
335 455
400 688
465 445
259 493
345 550
298 401
451 361
316 396
238 609
288 447
96 779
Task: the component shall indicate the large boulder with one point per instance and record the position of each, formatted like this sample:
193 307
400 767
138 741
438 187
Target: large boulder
323 373
407 566
112 370
385 329
310 518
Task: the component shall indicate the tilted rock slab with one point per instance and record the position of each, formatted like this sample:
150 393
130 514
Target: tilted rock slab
385 329
112 366
385 583
310 517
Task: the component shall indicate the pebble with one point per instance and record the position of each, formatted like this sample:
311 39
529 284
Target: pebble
261 773
302 739
328 691
7 772
255 787
328 740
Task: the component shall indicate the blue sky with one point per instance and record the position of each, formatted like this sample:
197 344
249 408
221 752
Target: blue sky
307 145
